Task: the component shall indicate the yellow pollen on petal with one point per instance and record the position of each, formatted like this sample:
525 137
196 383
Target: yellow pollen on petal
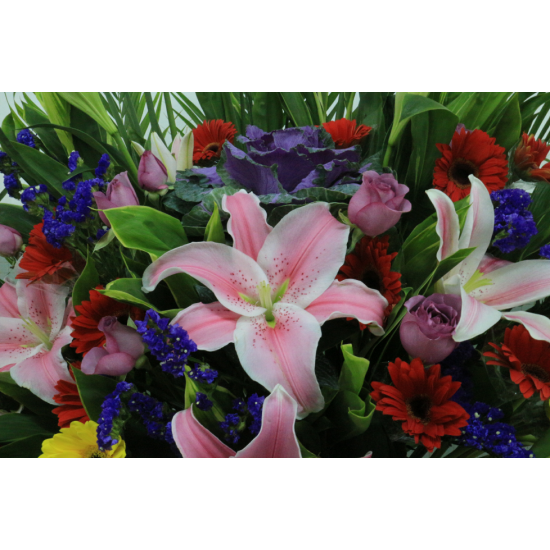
477 281
38 332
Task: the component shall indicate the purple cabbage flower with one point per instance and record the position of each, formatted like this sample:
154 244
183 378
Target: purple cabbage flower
427 330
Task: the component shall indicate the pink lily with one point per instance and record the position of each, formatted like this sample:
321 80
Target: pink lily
34 328
487 286
277 438
276 288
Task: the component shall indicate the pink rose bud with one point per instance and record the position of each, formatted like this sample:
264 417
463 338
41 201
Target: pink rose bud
122 350
152 174
120 192
427 330
10 241
379 204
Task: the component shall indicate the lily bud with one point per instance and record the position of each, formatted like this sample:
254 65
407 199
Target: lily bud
138 148
152 174
119 193
10 241
184 157
165 156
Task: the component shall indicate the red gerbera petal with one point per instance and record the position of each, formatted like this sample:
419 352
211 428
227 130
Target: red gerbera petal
528 360
71 409
421 400
43 262
470 153
345 133
370 263
86 334
209 140
529 156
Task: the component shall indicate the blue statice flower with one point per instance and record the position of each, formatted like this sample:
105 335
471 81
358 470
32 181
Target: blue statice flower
110 411
255 409
30 194
3 155
230 428
203 376
545 251
169 436
73 161
169 344
245 412
25 137
12 184
103 166
151 412
203 403
514 223
56 231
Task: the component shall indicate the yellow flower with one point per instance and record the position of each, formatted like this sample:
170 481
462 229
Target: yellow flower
79 441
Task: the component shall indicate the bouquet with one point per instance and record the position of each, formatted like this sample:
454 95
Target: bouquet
276 275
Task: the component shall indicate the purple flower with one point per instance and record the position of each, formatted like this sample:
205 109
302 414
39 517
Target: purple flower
427 330
379 204
119 193
10 241
152 174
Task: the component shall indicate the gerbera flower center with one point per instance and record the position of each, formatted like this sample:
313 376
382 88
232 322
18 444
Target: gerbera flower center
419 408
214 147
94 452
460 171
537 372
373 280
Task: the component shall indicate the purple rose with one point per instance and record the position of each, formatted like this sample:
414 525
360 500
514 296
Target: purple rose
119 193
10 241
152 174
427 330
379 204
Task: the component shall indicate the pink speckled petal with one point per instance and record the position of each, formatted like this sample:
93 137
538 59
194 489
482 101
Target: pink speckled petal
448 227
8 301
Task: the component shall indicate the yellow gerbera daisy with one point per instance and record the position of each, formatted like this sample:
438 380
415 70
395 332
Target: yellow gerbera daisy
79 441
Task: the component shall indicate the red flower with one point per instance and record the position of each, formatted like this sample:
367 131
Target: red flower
528 360
43 262
370 263
421 400
209 140
86 333
529 156
345 133
71 409
470 153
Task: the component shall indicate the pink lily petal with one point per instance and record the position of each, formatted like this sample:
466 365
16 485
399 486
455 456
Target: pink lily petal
45 305
448 227
8 301
537 325
516 284
227 272
476 318
307 248
478 229
369 455
248 224
283 355
210 326
351 298
41 372
194 440
277 438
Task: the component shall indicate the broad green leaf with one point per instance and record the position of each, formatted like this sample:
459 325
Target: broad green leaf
14 216
91 104
297 108
214 230
353 372
212 104
542 446
14 427
128 291
88 280
147 229
59 112
93 390
541 215
407 105
31 447
268 111
508 130
349 415
23 396
48 136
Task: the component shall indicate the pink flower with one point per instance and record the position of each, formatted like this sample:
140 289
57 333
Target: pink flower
277 438
35 326
122 350
119 193
10 241
379 204
152 174
276 288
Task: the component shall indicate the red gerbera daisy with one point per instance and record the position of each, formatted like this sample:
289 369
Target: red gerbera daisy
370 263
421 400
43 262
528 360
529 156
209 140
470 153
345 133
71 409
86 333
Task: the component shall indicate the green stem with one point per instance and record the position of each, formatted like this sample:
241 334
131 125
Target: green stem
349 112
387 158
126 154
170 112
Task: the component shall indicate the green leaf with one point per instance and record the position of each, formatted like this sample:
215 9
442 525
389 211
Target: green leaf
14 427
451 262
353 372
30 447
147 229
214 230
93 390
128 291
542 446
350 416
14 216
297 108
508 130
23 396
268 111
541 216
91 104
88 280
212 104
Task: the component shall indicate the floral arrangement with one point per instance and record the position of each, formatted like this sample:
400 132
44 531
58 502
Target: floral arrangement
276 275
